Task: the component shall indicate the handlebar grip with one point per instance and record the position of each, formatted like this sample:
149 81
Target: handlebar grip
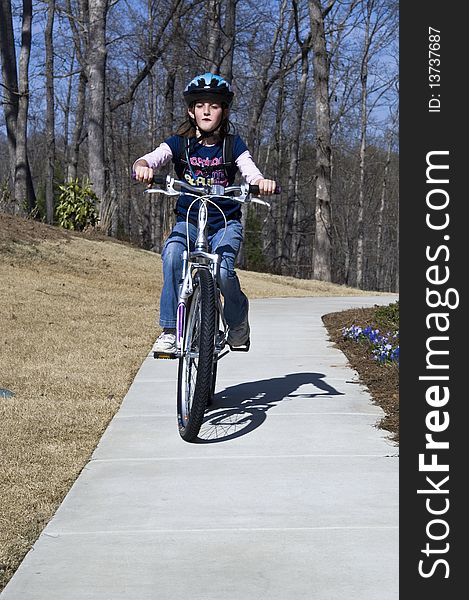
254 190
157 179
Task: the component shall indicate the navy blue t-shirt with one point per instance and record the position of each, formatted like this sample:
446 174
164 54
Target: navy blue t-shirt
202 156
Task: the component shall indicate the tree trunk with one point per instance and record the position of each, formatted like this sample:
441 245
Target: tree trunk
147 213
361 191
126 198
111 218
10 81
228 35
80 51
273 157
96 67
24 194
50 120
257 106
164 214
213 45
72 170
289 240
278 222
379 235
363 134
164 209
67 111
322 252
154 221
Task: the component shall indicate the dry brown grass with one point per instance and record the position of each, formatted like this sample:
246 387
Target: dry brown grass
265 285
77 317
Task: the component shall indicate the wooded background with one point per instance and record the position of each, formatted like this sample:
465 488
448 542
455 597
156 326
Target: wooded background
88 86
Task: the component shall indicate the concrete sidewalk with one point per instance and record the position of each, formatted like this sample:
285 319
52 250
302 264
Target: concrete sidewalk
291 494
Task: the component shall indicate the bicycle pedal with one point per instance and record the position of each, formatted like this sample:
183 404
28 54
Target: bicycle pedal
244 348
164 355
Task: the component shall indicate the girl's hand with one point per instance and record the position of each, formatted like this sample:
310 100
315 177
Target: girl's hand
143 173
266 186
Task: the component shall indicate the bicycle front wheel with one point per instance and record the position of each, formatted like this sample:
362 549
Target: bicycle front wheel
195 365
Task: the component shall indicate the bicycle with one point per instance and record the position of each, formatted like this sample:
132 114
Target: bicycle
201 329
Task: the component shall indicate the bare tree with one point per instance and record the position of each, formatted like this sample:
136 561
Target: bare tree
10 81
66 109
24 192
277 230
16 87
213 43
322 240
78 135
382 204
228 36
292 189
376 20
221 25
153 52
96 71
363 132
268 75
50 111
79 27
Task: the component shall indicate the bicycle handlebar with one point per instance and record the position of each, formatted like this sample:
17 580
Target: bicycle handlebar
172 185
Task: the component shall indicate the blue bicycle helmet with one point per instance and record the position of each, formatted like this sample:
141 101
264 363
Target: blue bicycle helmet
208 87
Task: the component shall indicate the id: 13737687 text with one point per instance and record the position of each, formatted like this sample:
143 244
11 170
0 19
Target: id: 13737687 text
434 75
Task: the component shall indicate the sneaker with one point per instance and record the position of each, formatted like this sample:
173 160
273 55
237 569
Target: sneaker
165 343
239 336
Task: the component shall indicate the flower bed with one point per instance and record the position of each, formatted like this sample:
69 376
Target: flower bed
384 348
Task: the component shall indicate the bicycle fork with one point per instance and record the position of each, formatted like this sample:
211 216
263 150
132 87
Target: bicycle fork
204 260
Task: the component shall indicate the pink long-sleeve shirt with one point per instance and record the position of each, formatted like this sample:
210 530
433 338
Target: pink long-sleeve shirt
162 154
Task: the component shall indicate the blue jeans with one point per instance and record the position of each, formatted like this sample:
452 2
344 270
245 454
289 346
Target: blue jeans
235 302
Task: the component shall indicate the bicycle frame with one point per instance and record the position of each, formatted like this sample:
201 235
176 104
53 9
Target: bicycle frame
200 257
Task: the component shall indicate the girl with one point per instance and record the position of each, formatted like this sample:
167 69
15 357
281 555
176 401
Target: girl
196 150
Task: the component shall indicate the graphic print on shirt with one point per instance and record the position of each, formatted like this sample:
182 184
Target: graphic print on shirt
202 172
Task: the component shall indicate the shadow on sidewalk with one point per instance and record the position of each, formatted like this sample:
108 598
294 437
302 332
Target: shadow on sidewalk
239 409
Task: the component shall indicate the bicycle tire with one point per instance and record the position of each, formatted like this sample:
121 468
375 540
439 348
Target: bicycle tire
218 333
214 383
194 388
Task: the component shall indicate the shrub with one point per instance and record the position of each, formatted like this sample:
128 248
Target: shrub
389 314
76 208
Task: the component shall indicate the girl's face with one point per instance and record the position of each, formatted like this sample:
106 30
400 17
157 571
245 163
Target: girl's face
207 115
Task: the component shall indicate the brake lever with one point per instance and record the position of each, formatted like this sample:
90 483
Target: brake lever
257 200
160 191
169 191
